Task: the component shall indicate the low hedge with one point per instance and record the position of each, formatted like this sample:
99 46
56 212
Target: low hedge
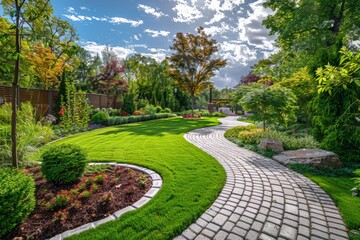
111 121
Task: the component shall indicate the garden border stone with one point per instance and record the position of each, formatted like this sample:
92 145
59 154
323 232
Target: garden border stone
157 184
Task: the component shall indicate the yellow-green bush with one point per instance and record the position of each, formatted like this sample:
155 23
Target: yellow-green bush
252 136
234 132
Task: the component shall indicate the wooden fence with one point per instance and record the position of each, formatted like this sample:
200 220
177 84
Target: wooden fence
44 100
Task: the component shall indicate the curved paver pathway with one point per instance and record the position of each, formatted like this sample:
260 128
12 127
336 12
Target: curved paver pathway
261 198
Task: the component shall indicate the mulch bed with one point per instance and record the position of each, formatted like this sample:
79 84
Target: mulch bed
98 194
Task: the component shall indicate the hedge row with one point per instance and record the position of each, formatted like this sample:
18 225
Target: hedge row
111 121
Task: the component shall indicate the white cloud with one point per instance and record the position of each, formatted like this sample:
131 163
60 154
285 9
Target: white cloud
217 17
78 17
84 8
215 30
154 33
136 37
186 11
224 5
236 52
95 48
99 19
119 20
251 29
71 10
157 56
151 11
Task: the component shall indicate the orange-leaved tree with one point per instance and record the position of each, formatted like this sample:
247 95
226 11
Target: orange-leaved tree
191 64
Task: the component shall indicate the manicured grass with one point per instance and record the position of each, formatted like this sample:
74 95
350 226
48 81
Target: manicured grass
192 178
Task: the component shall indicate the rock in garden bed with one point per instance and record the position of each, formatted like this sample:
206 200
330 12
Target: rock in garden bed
102 190
316 157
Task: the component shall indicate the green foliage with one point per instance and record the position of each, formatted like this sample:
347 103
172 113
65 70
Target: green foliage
17 197
234 132
158 109
166 110
356 190
75 113
29 136
337 106
128 105
63 163
269 104
252 135
150 109
99 118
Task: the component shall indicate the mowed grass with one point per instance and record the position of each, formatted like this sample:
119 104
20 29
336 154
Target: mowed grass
192 179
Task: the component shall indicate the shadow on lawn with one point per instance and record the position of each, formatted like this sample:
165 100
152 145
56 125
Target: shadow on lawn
160 127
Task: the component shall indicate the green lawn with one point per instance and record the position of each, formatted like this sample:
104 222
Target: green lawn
192 178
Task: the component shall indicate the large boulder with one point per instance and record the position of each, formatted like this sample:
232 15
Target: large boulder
271 144
316 157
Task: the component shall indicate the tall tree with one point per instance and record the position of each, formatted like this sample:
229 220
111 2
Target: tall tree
111 80
23 12
314 29
191 64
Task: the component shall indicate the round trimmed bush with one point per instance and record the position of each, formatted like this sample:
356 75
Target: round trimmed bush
99 118
17 198
63 163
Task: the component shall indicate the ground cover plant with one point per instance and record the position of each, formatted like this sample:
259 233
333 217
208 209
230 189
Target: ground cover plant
191 178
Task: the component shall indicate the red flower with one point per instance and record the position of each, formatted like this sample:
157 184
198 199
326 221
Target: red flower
62 110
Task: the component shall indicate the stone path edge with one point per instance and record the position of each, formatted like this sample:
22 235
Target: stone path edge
156 186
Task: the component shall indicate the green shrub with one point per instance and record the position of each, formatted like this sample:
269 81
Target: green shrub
99 118
63 163
356 190
291 142
158 109
252 136
30 134
110 121
166 110
17 198
234 132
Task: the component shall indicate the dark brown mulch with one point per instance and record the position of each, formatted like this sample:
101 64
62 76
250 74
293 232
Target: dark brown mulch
89 199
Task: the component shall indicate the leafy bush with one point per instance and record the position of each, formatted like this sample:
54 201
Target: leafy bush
63 163
150 109
356 190
158 109
17 198
30 134
290 142
166 110
252 135
99 118
234 132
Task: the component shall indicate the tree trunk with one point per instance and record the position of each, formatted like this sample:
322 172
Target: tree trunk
192 105
15 89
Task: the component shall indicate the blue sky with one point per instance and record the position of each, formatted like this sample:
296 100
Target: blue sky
148 27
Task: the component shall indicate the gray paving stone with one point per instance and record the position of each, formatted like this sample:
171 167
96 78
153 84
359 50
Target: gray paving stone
220 219
221 235
271 229
189 234
288 232
261 198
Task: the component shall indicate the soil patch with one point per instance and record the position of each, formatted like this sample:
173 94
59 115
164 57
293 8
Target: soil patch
102 190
